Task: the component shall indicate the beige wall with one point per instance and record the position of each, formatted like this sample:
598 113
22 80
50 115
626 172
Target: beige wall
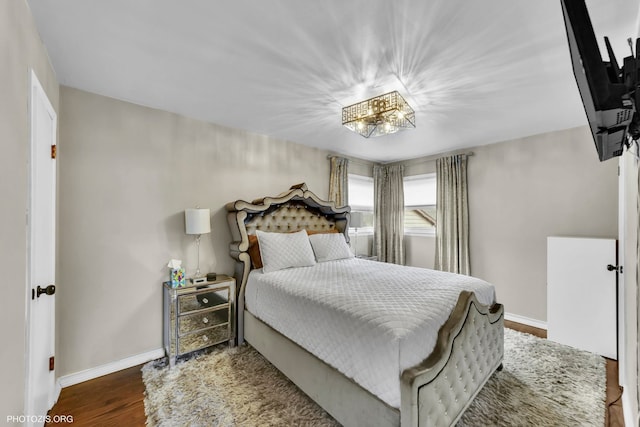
126 175
521 192
20 50
420 251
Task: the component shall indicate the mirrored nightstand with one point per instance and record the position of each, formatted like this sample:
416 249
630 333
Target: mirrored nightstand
197 316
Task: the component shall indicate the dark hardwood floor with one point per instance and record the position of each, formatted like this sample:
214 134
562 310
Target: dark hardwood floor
614 415
112 400
118 399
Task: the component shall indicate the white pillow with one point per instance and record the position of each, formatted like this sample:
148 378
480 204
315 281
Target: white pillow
284 250
330 246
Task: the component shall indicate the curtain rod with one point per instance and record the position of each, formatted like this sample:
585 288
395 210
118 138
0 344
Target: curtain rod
433 157
353 159
405 162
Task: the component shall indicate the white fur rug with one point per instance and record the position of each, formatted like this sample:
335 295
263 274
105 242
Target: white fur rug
542 384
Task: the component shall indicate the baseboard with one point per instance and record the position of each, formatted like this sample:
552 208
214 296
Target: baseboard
109 368
526 321
56 392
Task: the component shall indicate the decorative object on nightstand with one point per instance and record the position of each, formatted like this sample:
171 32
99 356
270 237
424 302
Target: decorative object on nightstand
356 222
197 316
176 275
198 222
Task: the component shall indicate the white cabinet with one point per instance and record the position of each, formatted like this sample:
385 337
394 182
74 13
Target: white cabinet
581 294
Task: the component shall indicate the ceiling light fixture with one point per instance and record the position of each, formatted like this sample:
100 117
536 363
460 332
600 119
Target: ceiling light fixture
381 115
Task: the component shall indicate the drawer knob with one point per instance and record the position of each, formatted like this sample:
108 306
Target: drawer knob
205 320
205 300
205 338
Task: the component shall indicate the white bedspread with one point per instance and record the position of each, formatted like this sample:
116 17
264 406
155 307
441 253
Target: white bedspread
367 319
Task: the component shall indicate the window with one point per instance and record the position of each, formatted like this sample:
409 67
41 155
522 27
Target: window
419 201
361 198
420 204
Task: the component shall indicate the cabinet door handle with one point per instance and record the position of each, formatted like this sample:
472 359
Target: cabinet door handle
49 290
617 268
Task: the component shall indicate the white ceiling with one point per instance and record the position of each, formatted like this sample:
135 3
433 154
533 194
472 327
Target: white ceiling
476 72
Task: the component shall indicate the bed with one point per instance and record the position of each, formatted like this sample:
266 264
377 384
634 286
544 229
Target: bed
420 368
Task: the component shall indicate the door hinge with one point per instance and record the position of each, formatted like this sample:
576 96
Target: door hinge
54 151
51 363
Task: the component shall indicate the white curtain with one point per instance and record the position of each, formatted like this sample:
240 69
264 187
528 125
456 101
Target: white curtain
452 215
339 181
389 212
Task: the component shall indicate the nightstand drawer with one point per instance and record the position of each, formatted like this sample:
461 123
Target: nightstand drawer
202 299
202 339
201 320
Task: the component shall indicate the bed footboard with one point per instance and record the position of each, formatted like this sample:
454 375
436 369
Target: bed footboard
469 349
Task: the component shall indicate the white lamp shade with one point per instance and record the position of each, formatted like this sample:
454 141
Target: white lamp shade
197 221
356 220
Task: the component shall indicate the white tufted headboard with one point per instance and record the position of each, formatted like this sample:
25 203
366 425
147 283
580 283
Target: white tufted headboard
291 216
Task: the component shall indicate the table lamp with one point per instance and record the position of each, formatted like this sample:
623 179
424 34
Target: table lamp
198 222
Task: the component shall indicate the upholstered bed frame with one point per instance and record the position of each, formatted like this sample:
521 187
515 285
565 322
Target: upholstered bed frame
434 393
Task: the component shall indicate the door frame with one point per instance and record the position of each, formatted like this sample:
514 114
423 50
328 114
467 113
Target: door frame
628 209
36 89
622 347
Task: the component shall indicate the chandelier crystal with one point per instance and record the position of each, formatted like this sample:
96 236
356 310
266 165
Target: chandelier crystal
381 115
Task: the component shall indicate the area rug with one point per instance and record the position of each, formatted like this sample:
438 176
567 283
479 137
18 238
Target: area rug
542 384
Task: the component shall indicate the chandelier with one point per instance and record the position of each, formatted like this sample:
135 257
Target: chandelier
381 115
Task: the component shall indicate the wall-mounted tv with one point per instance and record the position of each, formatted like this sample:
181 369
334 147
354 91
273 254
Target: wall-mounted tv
609 93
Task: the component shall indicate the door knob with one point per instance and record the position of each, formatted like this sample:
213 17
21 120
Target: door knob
49 290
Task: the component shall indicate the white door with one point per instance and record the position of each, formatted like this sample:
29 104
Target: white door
581 294
40 380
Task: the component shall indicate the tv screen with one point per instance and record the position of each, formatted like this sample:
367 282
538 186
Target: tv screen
607 101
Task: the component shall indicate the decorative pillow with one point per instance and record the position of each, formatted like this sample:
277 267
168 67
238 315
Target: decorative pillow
254 247
254 251
285 250
328 247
